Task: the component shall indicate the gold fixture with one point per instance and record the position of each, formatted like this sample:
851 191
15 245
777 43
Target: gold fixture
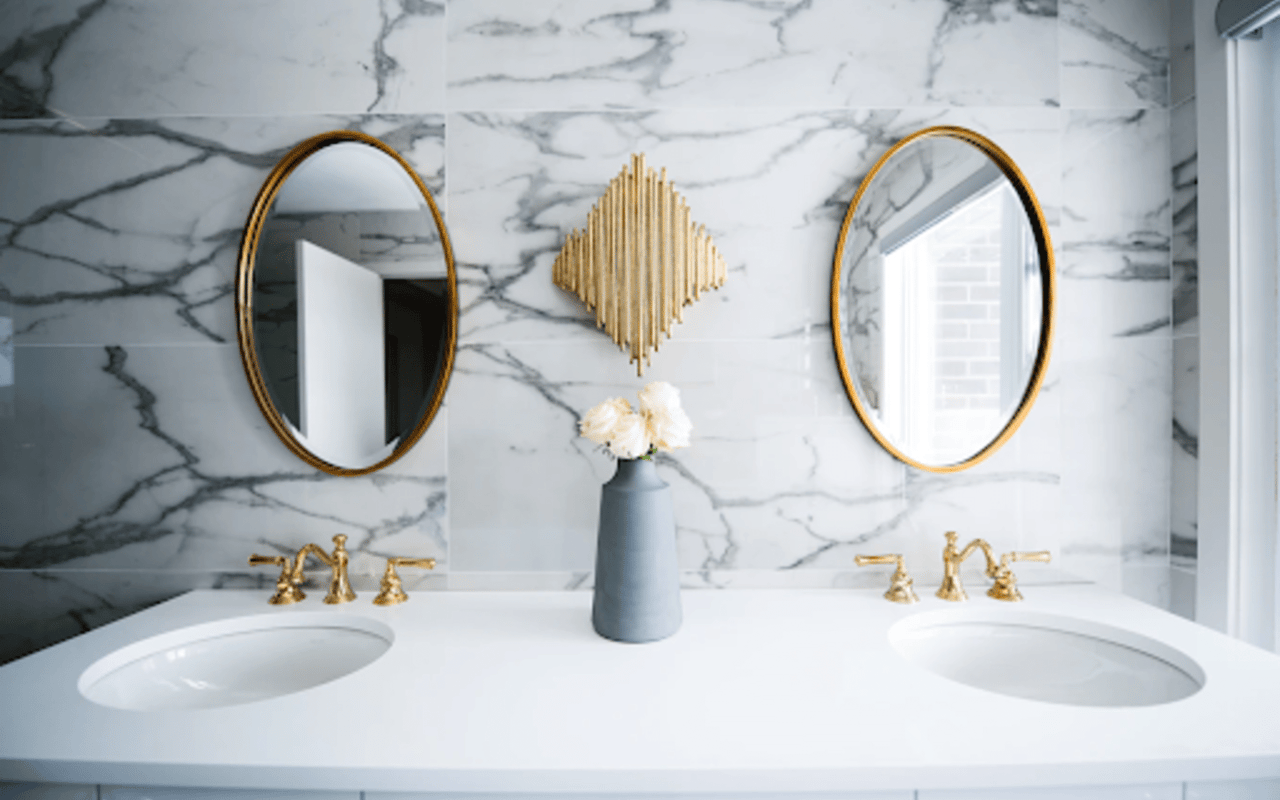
392 589
1005 587
340 590
287 592
900 590
245 270
951 588
1048 278
640 260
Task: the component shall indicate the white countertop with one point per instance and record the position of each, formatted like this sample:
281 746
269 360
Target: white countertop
759 690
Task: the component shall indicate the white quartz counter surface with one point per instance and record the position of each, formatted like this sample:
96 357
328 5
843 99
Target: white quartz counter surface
760 690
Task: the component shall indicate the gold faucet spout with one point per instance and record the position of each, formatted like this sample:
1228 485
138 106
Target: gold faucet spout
952 557
340 590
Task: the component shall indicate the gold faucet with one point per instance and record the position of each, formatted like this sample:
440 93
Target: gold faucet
1005 587
951 588
340 590
392 589
900 590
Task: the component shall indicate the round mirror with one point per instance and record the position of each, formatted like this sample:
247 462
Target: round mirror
346 303
942 299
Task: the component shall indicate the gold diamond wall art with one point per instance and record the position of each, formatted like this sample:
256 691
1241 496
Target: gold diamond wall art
640 261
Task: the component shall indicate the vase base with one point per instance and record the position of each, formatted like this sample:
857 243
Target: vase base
630 632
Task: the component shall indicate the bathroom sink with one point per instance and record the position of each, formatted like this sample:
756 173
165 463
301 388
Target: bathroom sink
1054 659
234 661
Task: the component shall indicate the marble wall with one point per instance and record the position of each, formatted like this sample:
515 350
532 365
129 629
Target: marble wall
134 463
1186 310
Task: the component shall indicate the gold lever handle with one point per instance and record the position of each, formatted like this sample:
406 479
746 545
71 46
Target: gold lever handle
900 590
392 589
863 561
1037 555
287 590
1006 583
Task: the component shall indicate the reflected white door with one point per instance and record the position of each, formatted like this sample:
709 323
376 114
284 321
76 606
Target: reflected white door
342 401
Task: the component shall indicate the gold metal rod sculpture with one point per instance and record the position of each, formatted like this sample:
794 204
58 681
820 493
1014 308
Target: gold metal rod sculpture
639 260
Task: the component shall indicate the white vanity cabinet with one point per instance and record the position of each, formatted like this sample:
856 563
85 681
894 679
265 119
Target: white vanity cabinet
762 695
1219 790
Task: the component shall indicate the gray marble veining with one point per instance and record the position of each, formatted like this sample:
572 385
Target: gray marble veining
734 167
185 485
129 229
134 463
98 58
1114 242
793 53
1115 54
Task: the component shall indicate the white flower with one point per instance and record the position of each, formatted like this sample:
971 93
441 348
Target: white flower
630 437
669 427
599 422
660 423
659 397
671 430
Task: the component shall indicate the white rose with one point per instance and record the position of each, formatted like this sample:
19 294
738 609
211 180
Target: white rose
659 397
669 427
630 437
671 430
599 422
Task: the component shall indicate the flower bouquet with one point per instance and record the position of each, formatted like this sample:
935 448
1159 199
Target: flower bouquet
660 424
637 579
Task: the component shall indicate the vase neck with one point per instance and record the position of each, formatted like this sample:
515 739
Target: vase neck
628 465
637 472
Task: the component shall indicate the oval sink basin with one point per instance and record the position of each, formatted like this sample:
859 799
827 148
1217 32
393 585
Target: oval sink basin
1050 658
234 661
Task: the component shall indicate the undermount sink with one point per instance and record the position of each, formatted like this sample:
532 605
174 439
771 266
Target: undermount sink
1055 659
234 661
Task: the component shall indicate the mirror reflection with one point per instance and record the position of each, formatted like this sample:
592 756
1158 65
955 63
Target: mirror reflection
352 304
940 299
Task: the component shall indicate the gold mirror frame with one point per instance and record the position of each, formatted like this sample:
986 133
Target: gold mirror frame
244 300
1044 249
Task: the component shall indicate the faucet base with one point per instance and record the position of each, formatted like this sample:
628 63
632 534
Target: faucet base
951 590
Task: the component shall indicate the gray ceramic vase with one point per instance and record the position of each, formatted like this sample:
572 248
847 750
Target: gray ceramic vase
637 591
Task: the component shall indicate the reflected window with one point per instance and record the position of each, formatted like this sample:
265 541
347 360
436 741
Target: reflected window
961 291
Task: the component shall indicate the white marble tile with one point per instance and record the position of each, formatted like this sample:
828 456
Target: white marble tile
771 186
1115 467
819 53
776 478
1114 240
1115 53
157 457
129 229
238 57
124 236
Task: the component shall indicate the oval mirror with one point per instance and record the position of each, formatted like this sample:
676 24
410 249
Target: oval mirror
346 303
942 299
